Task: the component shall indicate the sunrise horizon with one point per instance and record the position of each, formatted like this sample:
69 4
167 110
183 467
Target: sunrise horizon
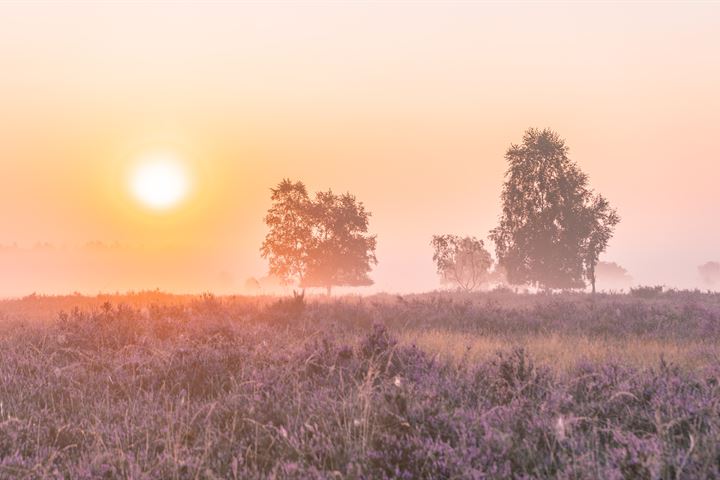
359 240
410 109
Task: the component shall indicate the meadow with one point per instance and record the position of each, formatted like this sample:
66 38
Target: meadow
436 385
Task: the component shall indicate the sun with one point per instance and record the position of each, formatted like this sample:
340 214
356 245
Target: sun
160 181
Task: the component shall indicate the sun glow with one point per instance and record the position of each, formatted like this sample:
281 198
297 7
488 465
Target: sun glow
160 181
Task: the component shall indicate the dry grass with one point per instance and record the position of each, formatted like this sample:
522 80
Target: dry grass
564 351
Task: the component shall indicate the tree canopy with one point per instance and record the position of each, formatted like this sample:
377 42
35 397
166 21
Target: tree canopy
553 227
290 237
320 242
710 273
462 261
614 276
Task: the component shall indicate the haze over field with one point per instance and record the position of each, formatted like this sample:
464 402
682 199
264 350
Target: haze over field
411 109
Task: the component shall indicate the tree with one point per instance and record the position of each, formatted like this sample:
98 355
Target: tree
553 227
612 275
461 260
342 252
290 236
710 273
321 242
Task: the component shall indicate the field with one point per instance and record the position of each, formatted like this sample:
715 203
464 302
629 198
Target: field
439 385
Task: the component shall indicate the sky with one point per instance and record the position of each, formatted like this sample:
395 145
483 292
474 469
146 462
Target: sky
409 106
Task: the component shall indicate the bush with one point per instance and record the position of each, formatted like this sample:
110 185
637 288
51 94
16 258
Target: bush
647 291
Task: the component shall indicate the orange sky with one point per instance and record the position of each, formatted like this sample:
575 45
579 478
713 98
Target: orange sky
410 107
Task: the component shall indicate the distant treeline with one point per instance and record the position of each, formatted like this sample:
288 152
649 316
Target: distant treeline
551 233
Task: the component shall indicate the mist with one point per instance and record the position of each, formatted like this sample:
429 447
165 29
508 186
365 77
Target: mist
410 110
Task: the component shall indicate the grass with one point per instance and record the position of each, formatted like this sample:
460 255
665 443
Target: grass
564 351
440 385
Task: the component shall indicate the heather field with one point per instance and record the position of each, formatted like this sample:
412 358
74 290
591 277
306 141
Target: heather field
438 385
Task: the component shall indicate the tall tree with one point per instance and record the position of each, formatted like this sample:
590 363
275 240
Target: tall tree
463 261
553 227
320 242
342 251
290 236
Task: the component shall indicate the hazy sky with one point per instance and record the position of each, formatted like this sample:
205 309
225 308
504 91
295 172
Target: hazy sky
410 107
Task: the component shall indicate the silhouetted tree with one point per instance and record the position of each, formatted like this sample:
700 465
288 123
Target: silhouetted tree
286 244
461 260
553 226
612 274
341 252
710 273
318 243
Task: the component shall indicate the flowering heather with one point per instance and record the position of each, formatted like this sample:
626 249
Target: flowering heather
183 387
